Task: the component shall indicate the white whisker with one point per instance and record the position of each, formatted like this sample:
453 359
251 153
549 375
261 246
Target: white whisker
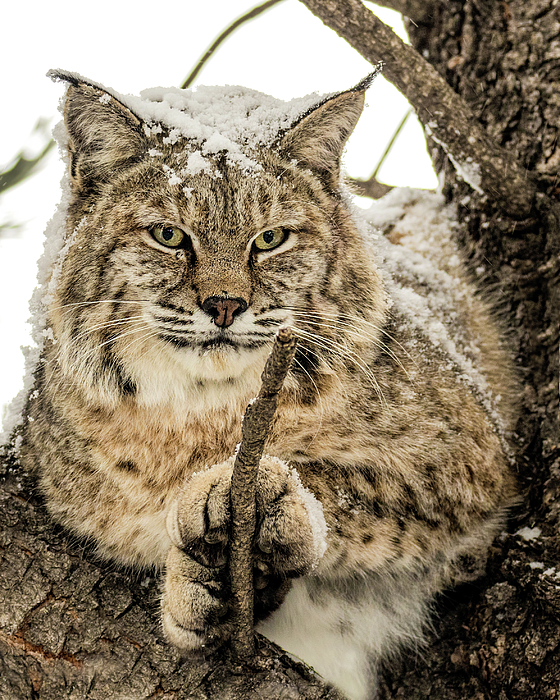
331 345
91 303
321 409
354 319
340 325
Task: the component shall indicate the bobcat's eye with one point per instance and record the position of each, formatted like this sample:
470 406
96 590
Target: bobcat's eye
169 236
267 240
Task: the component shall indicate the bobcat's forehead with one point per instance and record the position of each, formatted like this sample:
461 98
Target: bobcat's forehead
229 205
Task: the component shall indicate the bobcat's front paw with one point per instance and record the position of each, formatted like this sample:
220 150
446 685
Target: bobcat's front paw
289 541
194 604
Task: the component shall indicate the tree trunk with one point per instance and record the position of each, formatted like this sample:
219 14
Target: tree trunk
501 638
71 627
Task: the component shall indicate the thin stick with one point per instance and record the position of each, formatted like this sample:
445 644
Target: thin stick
256 424
371 187
255 12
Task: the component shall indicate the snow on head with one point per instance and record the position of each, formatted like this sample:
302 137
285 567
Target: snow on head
219 118
231 119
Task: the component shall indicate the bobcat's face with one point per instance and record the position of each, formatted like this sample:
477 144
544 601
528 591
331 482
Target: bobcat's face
178 280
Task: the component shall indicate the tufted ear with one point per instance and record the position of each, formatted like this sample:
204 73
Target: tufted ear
104 136
317 140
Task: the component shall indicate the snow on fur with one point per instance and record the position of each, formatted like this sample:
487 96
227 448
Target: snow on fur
426 256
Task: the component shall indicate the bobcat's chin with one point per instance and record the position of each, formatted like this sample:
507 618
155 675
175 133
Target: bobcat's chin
197 378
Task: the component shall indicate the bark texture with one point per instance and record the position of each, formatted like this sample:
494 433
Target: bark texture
72 628
501 639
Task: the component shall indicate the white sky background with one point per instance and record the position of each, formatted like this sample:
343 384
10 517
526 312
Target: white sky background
285 52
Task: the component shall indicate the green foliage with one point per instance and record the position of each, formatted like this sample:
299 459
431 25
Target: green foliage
21 168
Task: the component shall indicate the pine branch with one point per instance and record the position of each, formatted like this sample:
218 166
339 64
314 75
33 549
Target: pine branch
446 117
256 424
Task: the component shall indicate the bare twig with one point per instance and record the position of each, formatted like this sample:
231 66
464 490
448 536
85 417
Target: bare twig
368 188
255 12
372 187
256 424
446 117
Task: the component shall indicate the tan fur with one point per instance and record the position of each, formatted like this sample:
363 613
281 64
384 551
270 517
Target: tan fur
409 468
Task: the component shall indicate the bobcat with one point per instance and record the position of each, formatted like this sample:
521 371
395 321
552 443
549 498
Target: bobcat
197 224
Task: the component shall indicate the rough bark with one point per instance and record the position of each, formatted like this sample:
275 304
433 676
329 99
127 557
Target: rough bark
442 111
500 639
71 627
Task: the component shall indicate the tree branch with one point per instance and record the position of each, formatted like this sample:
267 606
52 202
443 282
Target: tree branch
255 12
256 424
446 117
368 188
372 187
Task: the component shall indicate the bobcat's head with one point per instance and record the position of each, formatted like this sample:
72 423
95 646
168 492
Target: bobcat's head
187 252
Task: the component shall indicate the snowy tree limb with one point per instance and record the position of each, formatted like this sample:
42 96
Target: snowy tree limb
446 117
256 424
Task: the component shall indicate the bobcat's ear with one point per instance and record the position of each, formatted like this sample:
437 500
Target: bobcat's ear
104 136
317 140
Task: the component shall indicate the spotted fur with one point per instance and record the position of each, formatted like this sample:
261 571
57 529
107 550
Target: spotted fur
140 393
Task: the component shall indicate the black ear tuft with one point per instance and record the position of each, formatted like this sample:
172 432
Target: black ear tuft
318 138
104 136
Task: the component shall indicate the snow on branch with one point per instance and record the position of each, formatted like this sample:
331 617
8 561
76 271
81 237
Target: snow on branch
447 118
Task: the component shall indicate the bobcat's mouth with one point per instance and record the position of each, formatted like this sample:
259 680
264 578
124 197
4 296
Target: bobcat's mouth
221 341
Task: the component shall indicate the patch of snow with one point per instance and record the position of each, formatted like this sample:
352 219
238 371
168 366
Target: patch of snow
172 176
316 516
219 119
469 171
536 565
529 533
197 164
465 167
423 276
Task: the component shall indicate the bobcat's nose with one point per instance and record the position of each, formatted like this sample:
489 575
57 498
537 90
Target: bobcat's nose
224 309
